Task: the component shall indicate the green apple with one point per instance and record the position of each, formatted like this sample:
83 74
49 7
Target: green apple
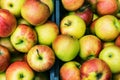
65 47
47 32
40 58
70 71
23 38
4 58
72 5
35 12
50 4
14 6
95 69
108 43
73 25
19 70
111 55
23 21
2 76
8 23
90 46
107 27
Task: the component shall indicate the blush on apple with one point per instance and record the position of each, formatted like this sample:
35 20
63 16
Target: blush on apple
8 23
95 69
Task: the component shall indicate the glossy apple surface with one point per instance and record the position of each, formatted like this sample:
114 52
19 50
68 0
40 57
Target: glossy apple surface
8 23
66 47
23 38
40 58
111 55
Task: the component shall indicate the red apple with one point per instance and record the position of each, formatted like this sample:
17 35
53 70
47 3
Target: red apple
35 12
95 69
40 58
7 23
4 58
85 13
117 41
70 71
90 46
19 70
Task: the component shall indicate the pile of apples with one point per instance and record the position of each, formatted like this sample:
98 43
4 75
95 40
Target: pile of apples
86 41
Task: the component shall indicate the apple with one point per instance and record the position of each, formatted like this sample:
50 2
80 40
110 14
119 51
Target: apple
40 58
66 48
2 76
8 23
35 12
5 41
107 27
72 5
47 32
92 27
95 16
14 6
108 43
4 58
50 4
117 41
90 46
111 55
73 25
23 38
70 71
19 70
104 7
85 13
95 69
23 21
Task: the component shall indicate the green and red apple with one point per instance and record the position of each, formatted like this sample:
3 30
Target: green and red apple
8 23
66 48
35 12
23 38
47 32
2 76
70 71
90 47
19 70
14 6
111 55
40 58
73 25
107 27
95 69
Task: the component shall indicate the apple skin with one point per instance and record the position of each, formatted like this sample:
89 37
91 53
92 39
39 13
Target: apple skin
19 70
23 38
4 58
90 46
73 25
50 4
5 41
8 23
107 27
14 6
35 12
66 48
40 58
47 32
2 76
111 55
68 69
85 13
106 44
117 41
23 21
72 5
95 69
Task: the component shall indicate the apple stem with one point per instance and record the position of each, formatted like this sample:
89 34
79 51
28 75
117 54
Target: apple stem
38 54
21 41
68 23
